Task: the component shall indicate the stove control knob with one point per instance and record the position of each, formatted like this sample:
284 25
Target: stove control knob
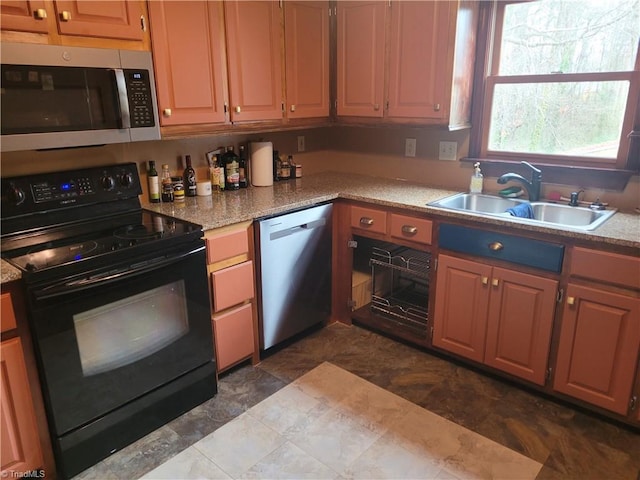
126 179
16 195
108 183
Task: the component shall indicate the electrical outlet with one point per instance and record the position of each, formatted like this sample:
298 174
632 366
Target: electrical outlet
410 147
448 151
301 143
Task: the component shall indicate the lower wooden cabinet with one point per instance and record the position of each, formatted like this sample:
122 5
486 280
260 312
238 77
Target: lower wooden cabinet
20 443
495 316
598 348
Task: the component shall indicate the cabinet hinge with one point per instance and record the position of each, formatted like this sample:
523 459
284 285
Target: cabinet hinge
431 333
435 264
633 403
386 105
352 243
282 106
226 108
143 23
351 304
560 295
547 374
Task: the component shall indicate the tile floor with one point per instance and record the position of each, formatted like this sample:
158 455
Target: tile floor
570 444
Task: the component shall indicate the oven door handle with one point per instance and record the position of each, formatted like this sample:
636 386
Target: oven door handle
105 278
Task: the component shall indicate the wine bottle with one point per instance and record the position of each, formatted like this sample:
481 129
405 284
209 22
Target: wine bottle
242 168
232 180
154 183
167 184
189 178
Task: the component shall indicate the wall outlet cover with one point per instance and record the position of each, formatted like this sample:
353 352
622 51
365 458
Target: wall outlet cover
448 151
410 147
301 145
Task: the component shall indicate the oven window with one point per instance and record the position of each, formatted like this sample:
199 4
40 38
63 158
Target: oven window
124 331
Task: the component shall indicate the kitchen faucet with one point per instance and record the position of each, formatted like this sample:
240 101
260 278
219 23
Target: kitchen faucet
532 187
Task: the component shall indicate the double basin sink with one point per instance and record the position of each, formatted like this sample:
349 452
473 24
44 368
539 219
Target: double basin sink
556 214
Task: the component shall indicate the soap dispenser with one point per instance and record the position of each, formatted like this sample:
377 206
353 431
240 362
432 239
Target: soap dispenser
476 179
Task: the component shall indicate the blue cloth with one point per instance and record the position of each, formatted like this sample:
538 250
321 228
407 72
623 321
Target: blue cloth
522 210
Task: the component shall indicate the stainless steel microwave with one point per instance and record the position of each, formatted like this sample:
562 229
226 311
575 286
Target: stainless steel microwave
56 97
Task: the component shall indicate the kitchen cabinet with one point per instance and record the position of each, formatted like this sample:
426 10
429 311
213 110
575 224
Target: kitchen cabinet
190 82
254 42
600 331
230 264
20 442
496 316
109 24
429 64
306 44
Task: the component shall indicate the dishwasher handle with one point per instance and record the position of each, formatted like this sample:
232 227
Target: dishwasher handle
285 232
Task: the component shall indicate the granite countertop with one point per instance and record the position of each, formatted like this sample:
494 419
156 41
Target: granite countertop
218 210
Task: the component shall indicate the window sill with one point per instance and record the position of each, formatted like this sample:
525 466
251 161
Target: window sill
587 177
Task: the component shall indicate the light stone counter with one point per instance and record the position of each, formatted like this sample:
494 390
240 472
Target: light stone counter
218 210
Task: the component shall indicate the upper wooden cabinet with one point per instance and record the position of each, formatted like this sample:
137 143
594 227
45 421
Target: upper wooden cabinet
429 61
190 81
254 51
113 24
306 42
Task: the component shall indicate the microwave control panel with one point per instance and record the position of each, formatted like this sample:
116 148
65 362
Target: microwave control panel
139 94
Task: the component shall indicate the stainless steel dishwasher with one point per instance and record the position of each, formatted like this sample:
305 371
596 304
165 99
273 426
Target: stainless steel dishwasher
294 272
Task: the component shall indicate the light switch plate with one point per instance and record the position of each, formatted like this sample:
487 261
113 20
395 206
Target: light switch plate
410 147
448 151
301 145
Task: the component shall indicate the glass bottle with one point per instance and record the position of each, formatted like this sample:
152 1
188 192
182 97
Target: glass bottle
154 183
232 180
277 165
167 186
189 178
219 168
242 167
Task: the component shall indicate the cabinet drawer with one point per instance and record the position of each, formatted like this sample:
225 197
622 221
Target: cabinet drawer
607 267
8 318
227 244
369 219
411 228
233 333
232 285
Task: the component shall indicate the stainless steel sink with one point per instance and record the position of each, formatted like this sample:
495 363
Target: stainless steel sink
543 212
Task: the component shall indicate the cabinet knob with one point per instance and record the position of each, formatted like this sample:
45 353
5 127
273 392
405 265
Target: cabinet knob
293 108
166 112
409 229
436 107
495 282
366 221
65 15
40 14
376 107
495 246
238 109
485 280
571 300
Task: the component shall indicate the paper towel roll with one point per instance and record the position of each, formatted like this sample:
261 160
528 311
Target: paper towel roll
261 164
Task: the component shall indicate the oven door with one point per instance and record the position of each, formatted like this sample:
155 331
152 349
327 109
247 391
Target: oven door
108 338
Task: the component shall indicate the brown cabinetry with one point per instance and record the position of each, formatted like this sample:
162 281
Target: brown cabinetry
427 58
230 259
190 82
116 24
600 332
495 316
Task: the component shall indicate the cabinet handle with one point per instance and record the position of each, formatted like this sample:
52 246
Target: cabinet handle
366 221
495 246
485 280
495 282
65 16
166 112
409 229
238 109
436 107
293 108
571 300
40 14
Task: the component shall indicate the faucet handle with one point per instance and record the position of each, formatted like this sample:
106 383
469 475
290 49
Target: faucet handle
535 170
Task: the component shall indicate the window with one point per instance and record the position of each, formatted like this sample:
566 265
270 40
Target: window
560 82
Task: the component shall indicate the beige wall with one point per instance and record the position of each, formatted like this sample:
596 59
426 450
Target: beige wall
367 150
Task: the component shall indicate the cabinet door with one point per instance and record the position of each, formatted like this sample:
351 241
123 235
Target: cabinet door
598 347
19 445
254 60
519 324
462 301
233 334
189 80
24 16
418 59
306 27
361 44
105 19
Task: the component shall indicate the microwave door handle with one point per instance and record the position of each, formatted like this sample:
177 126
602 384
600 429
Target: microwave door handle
123 99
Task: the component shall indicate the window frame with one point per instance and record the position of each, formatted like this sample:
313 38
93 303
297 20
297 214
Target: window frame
563 169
